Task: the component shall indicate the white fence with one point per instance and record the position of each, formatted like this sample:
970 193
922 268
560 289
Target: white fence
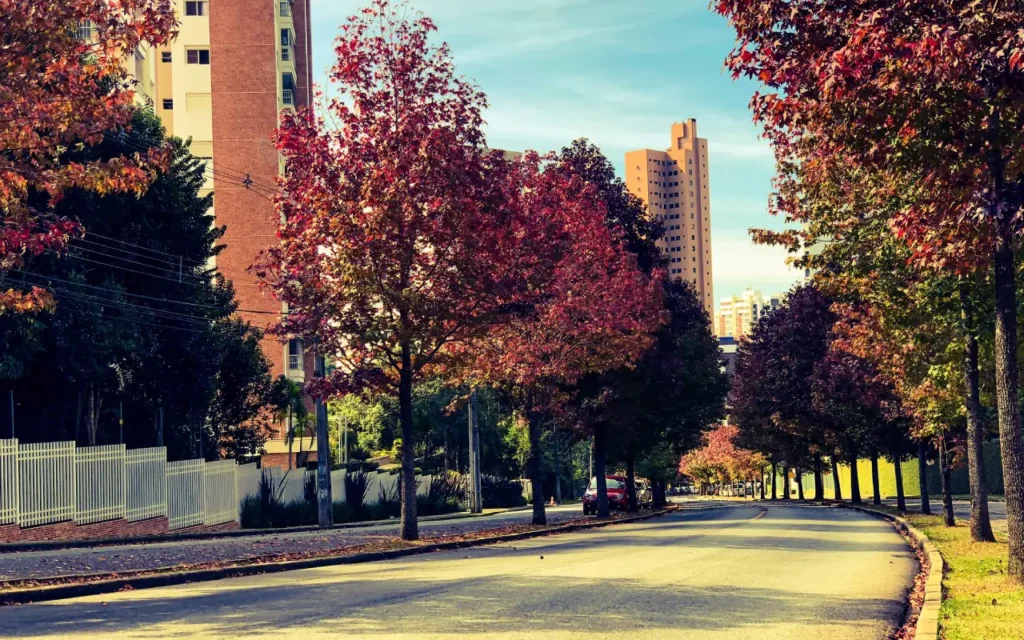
8 481
146 477
185 494
221 499
46 482
100 483
58 482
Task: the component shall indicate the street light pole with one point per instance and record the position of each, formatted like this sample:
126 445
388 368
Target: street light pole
475 499
323 456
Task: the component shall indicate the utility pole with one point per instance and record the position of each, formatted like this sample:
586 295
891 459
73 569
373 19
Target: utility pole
476 504
323 456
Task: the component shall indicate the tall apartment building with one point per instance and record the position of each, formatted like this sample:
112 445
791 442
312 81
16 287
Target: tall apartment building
224 82
737 315
674 186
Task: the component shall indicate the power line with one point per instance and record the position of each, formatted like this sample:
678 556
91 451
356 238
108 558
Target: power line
78 299
141 273
141 148
175 273
135 254
130 244
121 304
145 297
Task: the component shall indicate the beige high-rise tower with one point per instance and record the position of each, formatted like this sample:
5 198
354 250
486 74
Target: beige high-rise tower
674 186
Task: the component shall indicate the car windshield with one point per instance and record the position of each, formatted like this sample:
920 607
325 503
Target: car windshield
611 482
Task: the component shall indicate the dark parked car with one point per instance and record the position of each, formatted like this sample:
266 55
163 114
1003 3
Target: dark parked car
617 498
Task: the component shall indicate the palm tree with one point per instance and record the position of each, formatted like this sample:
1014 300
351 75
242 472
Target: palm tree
294 411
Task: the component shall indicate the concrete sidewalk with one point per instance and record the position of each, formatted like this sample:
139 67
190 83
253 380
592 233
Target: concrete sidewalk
181 553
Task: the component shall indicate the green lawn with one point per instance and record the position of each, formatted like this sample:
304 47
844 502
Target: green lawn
980 603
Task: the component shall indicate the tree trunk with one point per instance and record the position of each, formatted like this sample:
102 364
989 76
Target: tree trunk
762 486
410 526
854 479
836 485
92 416
1011 440
536 470
947 483
799 483
981 523
775 495
785 482
875 484
631 484
600 444
160 424
922 477
901 498
819 479
78 414
658 493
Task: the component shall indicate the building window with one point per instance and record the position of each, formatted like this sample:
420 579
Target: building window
286 38
84 30
288 97
168 104
286 9
198 56
285 54
294 355
196 8
165 56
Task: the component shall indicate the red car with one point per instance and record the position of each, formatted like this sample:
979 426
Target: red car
617 496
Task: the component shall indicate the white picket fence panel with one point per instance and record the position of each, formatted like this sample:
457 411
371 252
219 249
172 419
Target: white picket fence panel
100 482
221 503
146 477
185 494
46 483
8 481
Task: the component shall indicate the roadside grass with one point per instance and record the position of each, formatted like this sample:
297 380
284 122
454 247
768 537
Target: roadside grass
979 603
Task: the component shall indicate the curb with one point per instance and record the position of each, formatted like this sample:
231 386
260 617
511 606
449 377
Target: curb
928 620
15 547
60 592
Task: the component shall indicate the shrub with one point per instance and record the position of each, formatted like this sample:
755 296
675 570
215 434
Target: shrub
501 492
343 512
266 510
355 492
389 502
309 487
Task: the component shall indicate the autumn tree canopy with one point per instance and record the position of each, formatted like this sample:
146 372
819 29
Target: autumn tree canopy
64 84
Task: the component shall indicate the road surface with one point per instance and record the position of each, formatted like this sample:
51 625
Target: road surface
738 573
157 555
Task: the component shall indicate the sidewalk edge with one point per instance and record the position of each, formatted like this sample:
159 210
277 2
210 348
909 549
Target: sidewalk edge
42 594
927 627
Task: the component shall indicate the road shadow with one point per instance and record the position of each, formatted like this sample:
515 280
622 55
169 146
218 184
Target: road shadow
502 604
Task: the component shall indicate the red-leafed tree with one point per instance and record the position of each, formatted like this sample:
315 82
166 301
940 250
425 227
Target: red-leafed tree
721 460
64 83
924 92
403 236
596 314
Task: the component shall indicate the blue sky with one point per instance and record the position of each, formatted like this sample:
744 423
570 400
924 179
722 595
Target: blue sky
619 73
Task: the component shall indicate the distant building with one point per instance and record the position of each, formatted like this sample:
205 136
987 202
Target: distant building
728 348
737 315
674 186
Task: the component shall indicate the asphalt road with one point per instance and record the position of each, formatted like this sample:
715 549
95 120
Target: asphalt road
158 555
738 572
962 510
